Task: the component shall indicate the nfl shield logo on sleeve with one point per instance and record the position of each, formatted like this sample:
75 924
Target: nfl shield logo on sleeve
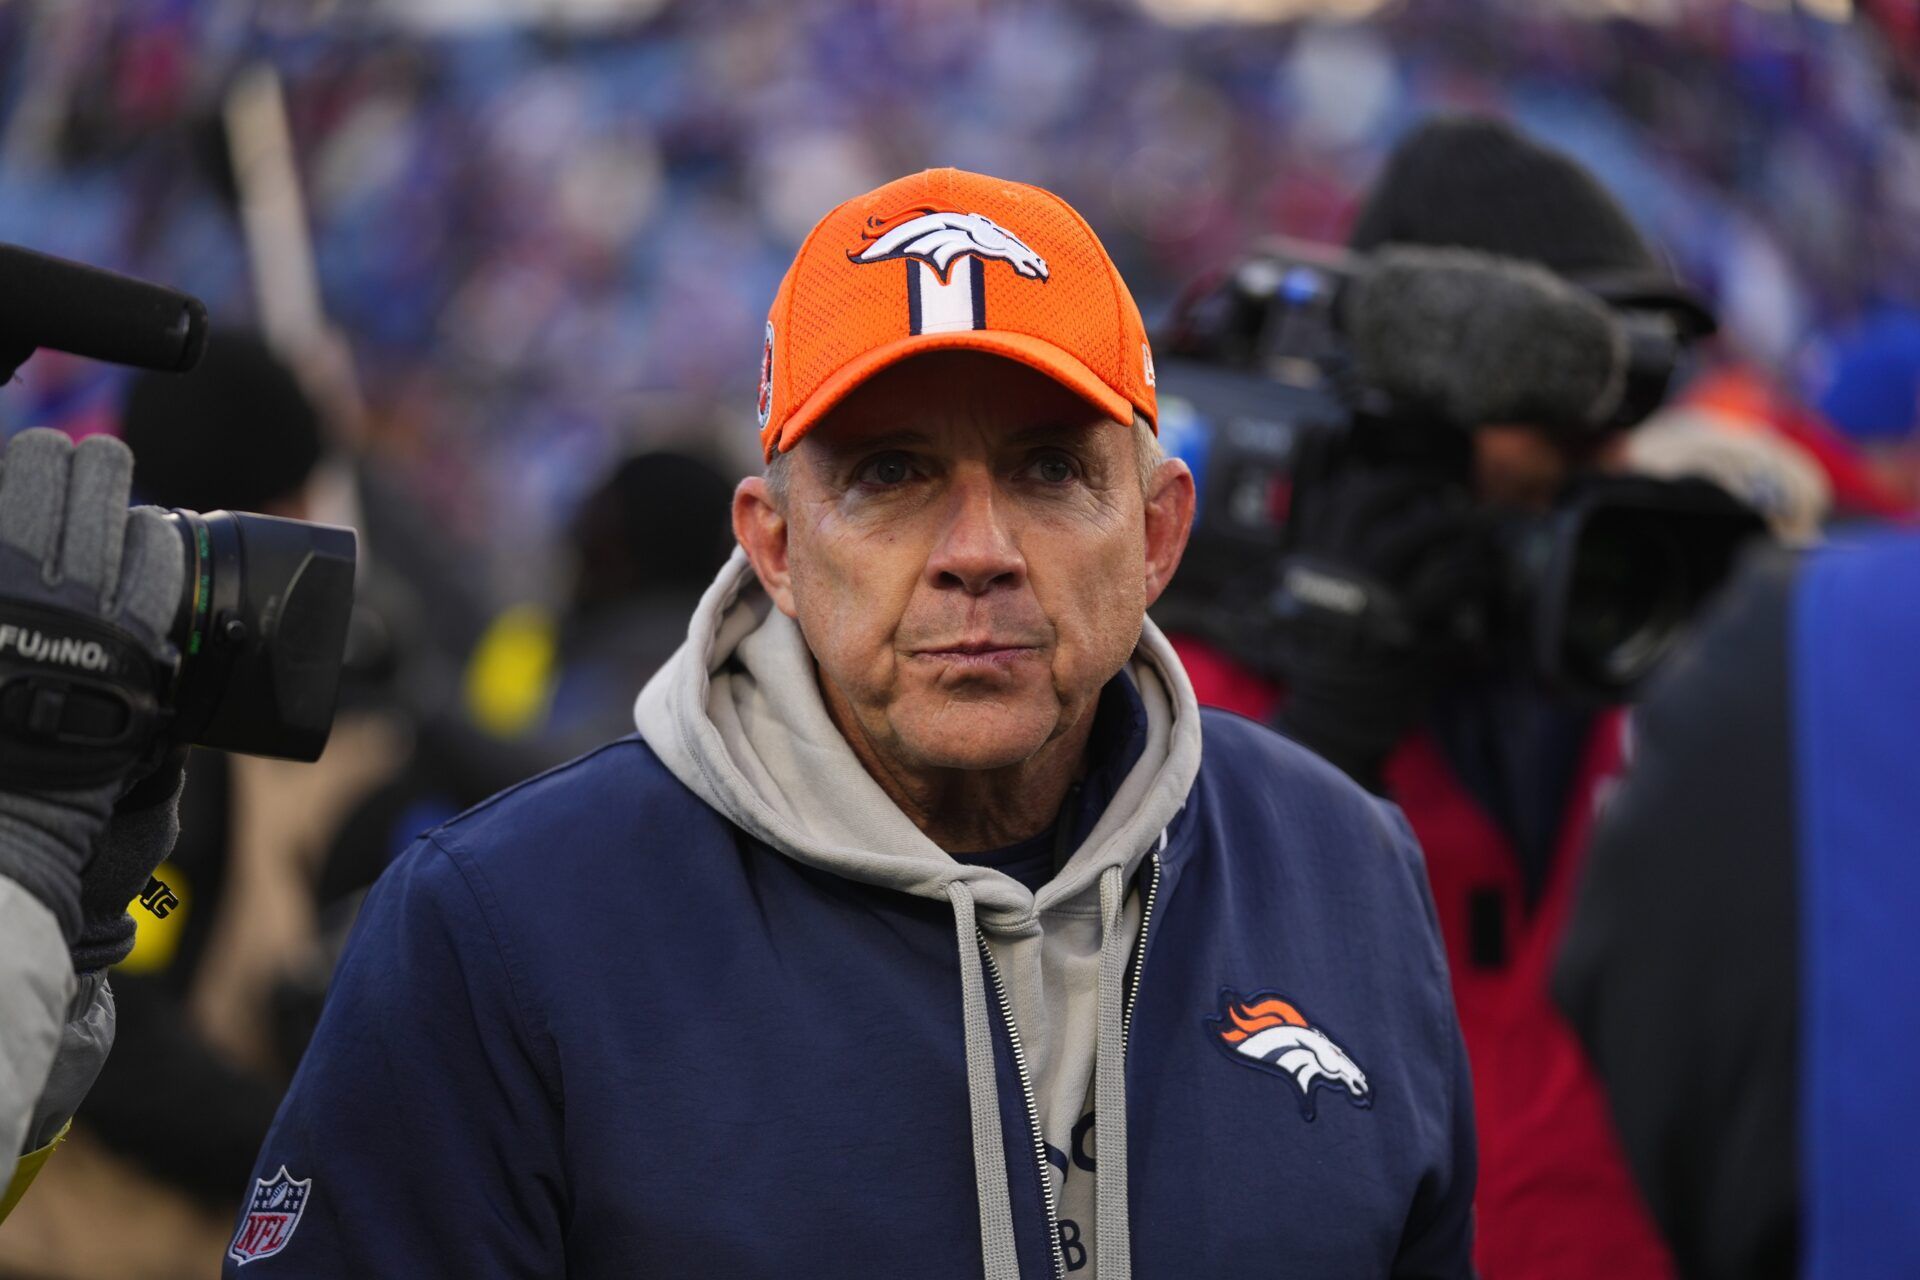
271 1217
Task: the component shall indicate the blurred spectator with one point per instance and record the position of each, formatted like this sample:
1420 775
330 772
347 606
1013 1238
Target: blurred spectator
1745 398
1869 388
1740 947
237 433
646 542
643 547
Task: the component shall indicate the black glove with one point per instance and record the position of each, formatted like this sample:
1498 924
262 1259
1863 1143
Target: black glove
70 545
1382 592
138 838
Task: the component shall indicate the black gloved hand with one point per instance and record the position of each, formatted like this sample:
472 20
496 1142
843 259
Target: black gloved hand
1379 595
138 838
69 544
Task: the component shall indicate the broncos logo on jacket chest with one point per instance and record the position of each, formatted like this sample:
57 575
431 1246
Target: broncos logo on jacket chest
1268 1032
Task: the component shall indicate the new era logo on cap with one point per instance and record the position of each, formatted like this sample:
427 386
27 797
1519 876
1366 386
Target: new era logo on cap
947 259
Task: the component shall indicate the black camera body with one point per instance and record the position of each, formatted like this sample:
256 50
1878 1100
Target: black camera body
1260 395
260 632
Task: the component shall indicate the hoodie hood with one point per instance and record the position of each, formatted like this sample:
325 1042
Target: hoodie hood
736 714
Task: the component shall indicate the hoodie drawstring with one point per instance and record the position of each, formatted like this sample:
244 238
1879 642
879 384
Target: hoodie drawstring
1113 1255
983 1097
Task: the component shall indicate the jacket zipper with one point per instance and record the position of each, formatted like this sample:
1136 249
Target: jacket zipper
1033 1109
1020 1053
1140 948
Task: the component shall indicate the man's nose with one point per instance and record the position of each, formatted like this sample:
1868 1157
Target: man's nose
976 551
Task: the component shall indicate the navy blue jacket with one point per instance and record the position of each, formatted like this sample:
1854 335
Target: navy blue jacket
589 1029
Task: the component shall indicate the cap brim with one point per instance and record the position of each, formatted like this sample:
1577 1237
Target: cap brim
1035 353
1654 291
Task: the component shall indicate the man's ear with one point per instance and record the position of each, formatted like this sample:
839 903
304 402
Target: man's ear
1169 520
762 532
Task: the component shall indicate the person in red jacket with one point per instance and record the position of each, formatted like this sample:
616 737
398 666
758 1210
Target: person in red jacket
1499 777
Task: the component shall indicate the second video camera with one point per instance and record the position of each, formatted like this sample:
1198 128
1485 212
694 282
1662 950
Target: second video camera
1261 393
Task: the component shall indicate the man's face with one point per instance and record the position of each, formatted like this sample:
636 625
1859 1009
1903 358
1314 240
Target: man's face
967 549
1517 467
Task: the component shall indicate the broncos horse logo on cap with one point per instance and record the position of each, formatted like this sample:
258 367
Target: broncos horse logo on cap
1266 1031
932 242
938 238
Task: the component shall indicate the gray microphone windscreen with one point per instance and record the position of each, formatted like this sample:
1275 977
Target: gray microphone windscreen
1481 340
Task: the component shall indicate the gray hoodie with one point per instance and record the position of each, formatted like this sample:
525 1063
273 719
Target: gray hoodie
737 716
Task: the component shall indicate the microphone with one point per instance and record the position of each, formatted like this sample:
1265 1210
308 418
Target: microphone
86 311
1480 340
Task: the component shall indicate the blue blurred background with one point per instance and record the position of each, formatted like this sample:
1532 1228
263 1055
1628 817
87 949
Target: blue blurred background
550 228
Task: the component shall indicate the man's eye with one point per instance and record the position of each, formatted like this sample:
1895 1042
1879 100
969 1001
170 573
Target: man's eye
886 470
1053 468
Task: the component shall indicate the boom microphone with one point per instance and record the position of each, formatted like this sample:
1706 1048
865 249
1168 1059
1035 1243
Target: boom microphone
1480 339
86 311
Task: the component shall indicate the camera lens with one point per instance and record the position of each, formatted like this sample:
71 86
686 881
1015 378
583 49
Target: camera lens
261 628
1629 597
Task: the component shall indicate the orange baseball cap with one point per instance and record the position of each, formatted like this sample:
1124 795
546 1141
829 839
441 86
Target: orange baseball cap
946 260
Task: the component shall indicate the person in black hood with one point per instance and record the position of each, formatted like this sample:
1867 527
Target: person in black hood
646 542
1497 773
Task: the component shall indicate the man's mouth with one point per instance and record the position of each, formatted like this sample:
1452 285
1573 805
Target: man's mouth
979 655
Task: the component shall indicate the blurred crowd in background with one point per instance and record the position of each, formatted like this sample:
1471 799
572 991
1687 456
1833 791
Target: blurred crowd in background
544 237
551 238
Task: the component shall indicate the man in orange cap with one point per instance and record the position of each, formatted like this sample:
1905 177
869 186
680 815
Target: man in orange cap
927 927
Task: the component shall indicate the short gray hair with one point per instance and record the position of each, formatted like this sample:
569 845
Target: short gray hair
1147 453
1147 457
